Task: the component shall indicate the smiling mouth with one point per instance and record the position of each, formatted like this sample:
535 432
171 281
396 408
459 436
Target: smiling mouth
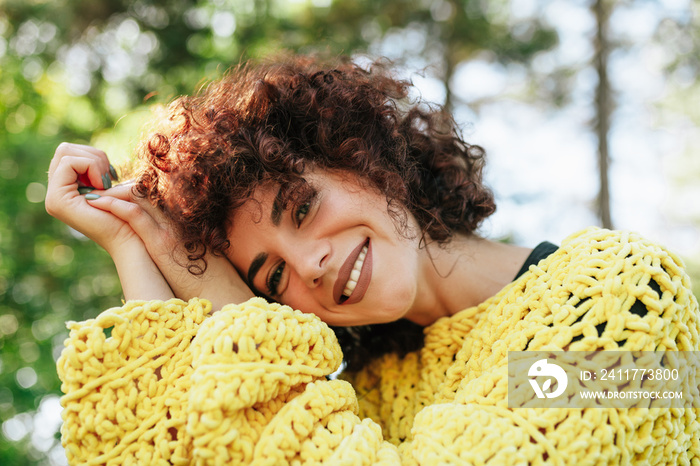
354 275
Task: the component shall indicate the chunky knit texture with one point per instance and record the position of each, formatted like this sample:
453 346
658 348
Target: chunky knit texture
173 385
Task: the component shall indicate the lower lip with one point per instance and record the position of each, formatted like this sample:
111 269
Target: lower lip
365 276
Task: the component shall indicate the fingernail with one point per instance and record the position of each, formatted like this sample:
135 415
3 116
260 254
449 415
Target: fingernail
113 173
85 189
106 182
92 196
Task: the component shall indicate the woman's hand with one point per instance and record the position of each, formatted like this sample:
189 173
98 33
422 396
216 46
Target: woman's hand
149 259
220 283
74 166
77 166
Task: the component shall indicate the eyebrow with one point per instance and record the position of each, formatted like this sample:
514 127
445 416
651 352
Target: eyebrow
254 268
259 261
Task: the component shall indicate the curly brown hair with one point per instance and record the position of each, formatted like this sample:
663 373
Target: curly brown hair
265 122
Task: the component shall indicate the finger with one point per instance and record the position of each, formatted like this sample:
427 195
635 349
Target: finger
68 148
142 223
69 168
122 191
149 224
126 192
146 204
63 200
111 173
99 177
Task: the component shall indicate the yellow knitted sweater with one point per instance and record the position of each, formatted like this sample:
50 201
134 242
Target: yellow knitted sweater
173 385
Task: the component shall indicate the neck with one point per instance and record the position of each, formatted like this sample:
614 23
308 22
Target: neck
464 273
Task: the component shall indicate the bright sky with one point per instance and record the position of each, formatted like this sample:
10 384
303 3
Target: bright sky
542 163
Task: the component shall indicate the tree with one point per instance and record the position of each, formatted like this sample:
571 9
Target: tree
603 105
86 71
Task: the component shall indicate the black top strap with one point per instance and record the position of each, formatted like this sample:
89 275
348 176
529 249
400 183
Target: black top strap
541 251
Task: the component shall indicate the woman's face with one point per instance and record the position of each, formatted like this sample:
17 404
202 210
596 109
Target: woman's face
337 254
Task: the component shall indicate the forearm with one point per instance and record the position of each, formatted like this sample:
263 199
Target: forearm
75 164
225 288
164 257
139 276
220 283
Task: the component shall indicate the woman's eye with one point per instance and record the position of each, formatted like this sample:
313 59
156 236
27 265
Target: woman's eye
301 212
274 280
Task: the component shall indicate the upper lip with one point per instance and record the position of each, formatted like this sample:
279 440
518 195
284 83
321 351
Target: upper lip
344 272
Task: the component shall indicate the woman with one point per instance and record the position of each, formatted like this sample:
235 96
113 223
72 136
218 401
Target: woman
322 187
246 141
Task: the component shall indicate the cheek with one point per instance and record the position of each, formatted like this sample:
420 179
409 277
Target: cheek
399 280
302 299
399 296
298 297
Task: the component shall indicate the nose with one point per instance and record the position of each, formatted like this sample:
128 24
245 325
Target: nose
310 259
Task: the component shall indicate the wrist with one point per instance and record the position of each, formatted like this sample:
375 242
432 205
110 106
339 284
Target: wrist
138 274
228 289
122 242
220 283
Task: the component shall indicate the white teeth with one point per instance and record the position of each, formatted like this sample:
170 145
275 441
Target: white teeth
355 274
